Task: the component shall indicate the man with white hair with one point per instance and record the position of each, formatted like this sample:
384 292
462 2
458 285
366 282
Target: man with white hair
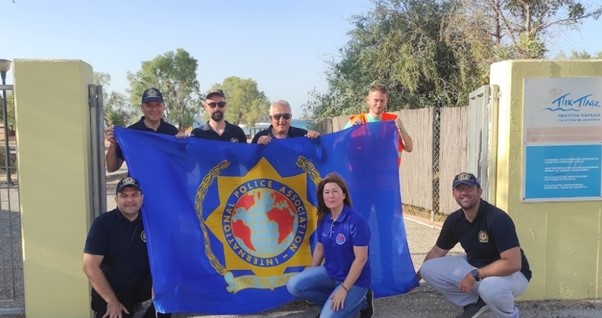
280 128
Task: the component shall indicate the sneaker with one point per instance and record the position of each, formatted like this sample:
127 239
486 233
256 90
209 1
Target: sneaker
368 311
474 310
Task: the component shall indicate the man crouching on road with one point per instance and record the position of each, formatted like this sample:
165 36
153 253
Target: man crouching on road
116 259
494 270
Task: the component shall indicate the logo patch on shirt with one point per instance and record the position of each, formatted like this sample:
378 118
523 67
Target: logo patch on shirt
483 237
143 236
340 239
233 139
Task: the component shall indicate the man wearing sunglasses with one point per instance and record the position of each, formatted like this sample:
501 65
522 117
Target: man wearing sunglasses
152 107
280 128
217 128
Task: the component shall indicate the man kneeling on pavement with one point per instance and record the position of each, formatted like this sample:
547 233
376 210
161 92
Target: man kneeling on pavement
116 259
494 270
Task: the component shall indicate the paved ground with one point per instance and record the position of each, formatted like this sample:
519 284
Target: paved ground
424 302
421 302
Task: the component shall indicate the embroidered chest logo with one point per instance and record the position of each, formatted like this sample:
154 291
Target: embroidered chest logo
340 239
483 237
143 236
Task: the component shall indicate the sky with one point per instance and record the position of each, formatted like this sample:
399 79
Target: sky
284 46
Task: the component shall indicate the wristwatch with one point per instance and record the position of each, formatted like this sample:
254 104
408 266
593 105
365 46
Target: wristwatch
475 274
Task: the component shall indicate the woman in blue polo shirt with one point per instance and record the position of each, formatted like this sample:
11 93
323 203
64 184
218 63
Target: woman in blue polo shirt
341 282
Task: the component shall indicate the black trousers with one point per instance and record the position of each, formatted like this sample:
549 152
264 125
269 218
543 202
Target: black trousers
150 313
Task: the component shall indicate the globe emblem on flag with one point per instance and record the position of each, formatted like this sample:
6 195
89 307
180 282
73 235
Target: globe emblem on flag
264 222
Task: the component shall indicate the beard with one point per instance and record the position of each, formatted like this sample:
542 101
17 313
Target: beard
217 116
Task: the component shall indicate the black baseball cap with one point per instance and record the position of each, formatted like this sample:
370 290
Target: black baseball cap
467 179
127 182
152 95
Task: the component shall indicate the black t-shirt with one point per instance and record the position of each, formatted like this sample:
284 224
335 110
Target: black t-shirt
231 133
125 264
165 128
292 132
491 233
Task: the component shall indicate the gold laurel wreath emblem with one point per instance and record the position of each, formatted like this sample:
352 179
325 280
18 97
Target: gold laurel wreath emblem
209 178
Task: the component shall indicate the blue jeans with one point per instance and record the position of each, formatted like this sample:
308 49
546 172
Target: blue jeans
315 285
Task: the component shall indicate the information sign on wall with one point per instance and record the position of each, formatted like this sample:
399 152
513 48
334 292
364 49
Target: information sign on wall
562 134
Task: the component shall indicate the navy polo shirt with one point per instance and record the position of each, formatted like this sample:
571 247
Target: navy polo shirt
165 128
123 244
338 238
231 133
292 132
490 233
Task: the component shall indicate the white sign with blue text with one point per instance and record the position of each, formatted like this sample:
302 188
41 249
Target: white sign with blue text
562 134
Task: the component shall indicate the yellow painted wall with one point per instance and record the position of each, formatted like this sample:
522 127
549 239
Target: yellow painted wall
53 142
561 239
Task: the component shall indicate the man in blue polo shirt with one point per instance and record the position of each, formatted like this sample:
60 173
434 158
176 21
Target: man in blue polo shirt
494 270
217 128
280 128
115 257
152 107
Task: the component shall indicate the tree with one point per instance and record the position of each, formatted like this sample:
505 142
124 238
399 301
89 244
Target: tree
579 55
246 104
116 109
174 74
520 27
403 45
120 112
10 110
435 52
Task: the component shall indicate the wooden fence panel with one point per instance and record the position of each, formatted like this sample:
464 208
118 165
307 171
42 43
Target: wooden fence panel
453 153
416 172
420 180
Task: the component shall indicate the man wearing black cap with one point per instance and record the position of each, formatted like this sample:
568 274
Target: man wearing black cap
494 270
115 256
152 107
217 128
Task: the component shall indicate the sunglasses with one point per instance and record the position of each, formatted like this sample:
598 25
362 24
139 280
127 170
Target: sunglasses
286 116
219 104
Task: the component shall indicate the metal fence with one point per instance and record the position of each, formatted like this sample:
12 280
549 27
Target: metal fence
11 260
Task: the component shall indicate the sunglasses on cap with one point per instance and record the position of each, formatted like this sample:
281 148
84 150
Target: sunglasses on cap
286 116
218 104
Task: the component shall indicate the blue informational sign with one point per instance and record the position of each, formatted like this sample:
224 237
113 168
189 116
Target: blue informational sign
563 172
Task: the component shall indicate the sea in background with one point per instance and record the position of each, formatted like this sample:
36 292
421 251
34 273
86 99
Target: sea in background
251 131
299 123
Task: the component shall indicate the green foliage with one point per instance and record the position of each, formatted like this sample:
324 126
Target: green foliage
10 109
524 24
119 114
246 104
116 109
410 47
579 55
435 52
174 74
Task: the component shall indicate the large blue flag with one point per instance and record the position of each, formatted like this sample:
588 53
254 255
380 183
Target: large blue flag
228 224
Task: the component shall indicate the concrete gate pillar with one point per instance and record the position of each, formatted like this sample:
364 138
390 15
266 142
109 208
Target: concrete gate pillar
548 170
53 142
